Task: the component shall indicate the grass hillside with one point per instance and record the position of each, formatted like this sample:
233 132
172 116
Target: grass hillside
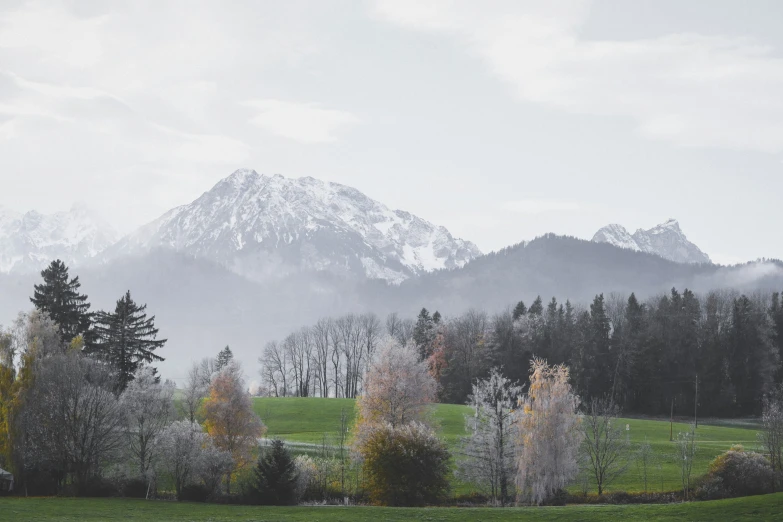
767 507
306 420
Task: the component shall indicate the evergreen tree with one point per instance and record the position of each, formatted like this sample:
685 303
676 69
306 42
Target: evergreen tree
126 339
520 310
537 308
224 357
59 297
753 358
776 314
275 477
424 333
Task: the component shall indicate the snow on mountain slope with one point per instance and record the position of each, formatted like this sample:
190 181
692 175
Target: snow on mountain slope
666 240
29 241
269 226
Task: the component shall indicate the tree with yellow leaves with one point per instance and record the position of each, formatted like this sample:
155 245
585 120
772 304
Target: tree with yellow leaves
229 418
548 433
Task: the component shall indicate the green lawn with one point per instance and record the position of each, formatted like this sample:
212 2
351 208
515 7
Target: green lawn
307 419
768 507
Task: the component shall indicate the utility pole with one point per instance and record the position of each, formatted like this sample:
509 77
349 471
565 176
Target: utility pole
696 403
671 423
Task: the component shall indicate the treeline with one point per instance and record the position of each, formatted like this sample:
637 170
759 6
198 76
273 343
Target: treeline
647 356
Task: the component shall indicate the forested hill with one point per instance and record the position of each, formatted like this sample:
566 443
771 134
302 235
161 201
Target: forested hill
574 269
202 306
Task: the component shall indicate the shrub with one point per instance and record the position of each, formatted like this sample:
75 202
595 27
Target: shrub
404 466
100 487
195 493
275 481
737 473
135 488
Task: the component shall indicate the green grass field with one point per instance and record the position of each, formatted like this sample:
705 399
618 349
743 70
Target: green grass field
308 419
767 507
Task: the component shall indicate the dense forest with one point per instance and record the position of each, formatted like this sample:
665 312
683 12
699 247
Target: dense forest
650 357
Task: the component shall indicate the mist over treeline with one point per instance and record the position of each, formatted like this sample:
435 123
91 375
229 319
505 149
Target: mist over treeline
201 306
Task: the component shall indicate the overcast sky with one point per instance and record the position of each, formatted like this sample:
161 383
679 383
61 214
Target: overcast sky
500 120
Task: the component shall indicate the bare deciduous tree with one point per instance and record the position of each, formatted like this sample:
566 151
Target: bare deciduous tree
197 386
686 451
275 369
73 420
605 444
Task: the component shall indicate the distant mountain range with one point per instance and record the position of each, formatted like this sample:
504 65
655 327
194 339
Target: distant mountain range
267 227
28 242
666 240
257 256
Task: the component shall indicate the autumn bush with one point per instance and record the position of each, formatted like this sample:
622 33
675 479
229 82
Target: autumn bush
737 473
405 466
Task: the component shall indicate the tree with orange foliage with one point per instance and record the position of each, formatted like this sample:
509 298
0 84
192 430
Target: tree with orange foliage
229 418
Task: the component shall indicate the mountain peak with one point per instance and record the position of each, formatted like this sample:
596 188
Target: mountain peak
30 241
268 226
666 240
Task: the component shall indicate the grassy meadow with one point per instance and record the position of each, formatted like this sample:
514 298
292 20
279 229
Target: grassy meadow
306 420
766 507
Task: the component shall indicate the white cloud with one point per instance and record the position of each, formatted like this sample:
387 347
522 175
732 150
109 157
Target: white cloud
541 206
303 122
7 130
689 89
53 32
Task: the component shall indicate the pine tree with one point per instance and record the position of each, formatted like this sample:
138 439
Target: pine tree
537 308
126 339
59 297
275 477
424 334
224 357
520 310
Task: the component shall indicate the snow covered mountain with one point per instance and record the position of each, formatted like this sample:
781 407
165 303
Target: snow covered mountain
267 227
29 241
666 240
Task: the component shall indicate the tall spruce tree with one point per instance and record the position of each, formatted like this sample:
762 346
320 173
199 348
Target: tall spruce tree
519 310
224 357
275 477
424 333
126 339
59 297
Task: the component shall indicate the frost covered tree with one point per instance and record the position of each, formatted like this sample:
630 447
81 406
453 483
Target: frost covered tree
148 408
771 437
197 386
548 437
605 444
398 388
230 419
489 447
181 445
